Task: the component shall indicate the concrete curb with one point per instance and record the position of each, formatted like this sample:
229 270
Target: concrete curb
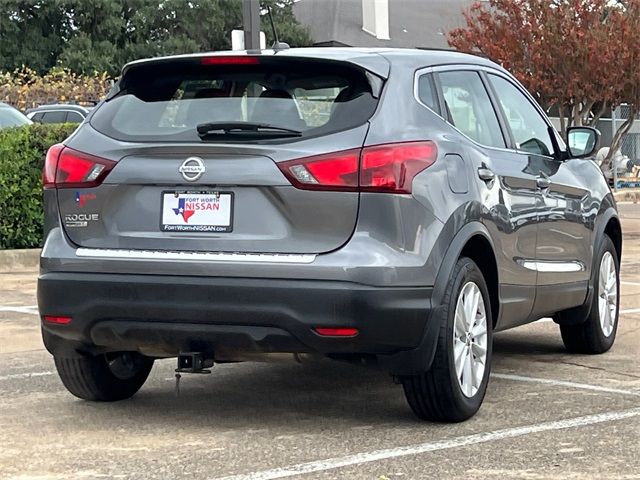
16 260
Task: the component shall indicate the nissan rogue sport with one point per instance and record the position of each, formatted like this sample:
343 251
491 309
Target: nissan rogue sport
383 206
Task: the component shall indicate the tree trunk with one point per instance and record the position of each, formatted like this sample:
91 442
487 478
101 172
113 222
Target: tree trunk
577 120
594 120
563 126
585 111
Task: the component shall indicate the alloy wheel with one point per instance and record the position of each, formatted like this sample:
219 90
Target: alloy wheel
470 339
607 294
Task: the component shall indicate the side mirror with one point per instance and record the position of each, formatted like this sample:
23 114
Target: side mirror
582 141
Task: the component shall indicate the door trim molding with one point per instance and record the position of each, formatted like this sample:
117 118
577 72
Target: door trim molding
553 267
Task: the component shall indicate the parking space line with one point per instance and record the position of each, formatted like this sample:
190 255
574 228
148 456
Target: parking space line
29 309
463 441
16 376
562 383
629 310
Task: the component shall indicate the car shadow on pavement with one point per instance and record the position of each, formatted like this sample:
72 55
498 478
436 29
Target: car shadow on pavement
256 395
261 396
526 341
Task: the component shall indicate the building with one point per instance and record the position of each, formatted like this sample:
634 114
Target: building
381 23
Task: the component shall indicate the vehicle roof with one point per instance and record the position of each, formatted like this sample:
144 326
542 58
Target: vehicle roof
60 106
374 59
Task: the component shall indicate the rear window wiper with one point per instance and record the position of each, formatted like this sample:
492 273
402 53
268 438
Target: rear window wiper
244 129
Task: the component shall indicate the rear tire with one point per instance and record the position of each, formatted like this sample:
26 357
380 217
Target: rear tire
104 378
598 332
446 392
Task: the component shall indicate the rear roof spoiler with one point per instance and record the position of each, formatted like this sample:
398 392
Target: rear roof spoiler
370 61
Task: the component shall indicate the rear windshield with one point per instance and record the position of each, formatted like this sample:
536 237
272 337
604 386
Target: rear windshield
10 117
166 102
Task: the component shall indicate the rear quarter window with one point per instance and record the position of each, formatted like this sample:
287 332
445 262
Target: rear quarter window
427 92
74 117
54 116
166 102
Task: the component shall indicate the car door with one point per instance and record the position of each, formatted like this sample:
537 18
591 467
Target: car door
507 189
564 237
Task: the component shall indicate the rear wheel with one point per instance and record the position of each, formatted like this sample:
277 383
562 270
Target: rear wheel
104 378
454 387
598 332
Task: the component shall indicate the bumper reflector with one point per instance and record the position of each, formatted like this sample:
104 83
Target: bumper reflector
336 332
57 320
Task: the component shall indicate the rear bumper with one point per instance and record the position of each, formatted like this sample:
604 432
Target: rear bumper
166 315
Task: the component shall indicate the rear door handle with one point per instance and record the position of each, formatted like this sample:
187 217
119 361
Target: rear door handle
543 181
486 174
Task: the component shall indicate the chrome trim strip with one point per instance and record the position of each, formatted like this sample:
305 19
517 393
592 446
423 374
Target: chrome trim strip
554 267
195 256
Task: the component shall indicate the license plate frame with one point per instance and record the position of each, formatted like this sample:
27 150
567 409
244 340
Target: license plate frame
183 226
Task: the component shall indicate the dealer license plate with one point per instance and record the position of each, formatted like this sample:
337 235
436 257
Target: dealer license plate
197 211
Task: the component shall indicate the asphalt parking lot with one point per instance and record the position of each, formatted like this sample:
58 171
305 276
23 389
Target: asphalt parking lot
547 414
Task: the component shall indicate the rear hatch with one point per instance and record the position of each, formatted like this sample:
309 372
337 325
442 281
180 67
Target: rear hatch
189 154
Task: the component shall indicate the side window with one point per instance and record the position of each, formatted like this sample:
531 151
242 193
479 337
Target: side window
427 92
529 128
469 107
74 117
37 117
55 116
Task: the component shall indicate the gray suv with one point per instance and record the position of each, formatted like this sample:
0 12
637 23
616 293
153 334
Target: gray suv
381 206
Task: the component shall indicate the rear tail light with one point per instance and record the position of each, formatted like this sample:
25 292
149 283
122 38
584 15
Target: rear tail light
334 171
230 60
57 320
388 168
50 165
392 168
68 168
336 331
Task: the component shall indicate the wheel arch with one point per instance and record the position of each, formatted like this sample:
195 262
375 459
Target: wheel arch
609 225
472 240
613 230
479 249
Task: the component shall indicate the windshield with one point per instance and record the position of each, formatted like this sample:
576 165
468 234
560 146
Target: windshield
167 103
10 117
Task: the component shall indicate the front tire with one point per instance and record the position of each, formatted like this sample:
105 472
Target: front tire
104 378
598 332
453 389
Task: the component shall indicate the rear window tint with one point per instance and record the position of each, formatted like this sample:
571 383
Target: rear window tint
74 117
166 102
427 93
54 116
10 117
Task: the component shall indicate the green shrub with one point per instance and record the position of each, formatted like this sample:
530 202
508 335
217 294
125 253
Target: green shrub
22 152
